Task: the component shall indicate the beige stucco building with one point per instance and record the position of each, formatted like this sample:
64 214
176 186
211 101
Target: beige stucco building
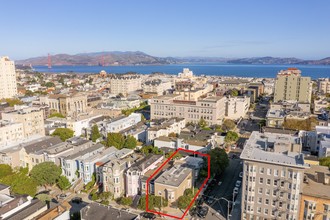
8 85
124 83
67 105
291 86
237 107
32 119
324 85
156 86
172 183
211 108
10 133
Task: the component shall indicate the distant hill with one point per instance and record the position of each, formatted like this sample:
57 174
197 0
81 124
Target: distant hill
139 58
100 58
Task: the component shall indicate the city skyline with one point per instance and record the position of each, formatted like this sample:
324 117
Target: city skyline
179 29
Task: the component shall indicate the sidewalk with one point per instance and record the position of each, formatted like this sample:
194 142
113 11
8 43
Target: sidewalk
236 211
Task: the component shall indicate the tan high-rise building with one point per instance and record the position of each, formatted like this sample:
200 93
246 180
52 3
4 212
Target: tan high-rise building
324 85
8 85
125 83
291 86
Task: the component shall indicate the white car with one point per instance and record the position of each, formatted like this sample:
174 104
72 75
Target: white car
219 183
241 174
238 183
235 190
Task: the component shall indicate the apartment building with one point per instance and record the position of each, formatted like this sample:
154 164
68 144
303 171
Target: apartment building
237 107
32 119
124 83
66 104
10 133
186 73
291 86
113 177
272 174
324 86
133 175
172 183
211 108
315 196
118 124
193 94
164 127
156 86
8 84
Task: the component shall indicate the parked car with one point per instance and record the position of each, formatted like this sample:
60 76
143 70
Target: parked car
241 174
210 200
61 196
148 215
235 190
219 183
76 200
202 211
238 183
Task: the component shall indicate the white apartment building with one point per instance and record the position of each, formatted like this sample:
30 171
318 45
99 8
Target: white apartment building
324 85
186 73
237 107
8 85
10 133
273 172
211 108
164 127
156 86
121 123
32 119
124 83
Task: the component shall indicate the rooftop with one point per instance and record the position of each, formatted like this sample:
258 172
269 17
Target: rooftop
35 205
316 182
174 176
273 148
84 152
145 162
97 211
42 144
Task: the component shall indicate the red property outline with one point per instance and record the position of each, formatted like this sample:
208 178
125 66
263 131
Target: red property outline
195 197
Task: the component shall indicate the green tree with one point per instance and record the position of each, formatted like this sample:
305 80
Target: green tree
56 114
115 139
90 184
202 123
234 92
325 161
61 80
95 133
5 170
105 196
63 133
218 163
50 84
13 102
63 183
231 137
172 134
130 142
126 201
149 149
184 200
46 173
228 125
29 93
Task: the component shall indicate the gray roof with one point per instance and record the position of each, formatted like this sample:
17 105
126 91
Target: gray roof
3 186
35 205
174 176
97 211
145 162
260 147
85 151
42 144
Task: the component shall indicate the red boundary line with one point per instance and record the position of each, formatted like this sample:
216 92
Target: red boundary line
195 197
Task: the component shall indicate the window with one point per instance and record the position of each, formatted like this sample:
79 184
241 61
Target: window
261 180
259 209
268 181
269 171
275 182
267 201
266 211
275 172
260 190
259 200
267 191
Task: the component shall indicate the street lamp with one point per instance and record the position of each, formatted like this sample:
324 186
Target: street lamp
227 205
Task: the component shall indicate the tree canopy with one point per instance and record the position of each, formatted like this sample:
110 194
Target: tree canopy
325 161
218 162
153 202
63 183
115 139
95 134
231 136
50 84
228 125
126 201
63 133
146 150
184 200
202 123
130 142
5 170
46 173
56 114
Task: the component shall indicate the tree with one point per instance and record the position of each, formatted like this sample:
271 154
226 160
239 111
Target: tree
115 139
130 142
29 93
202 123
172 134
90 184
5 170
56 114
184 200
104 196
153 202
325 161
234 92
228 125
218 163
146 150
231 136
13 102
50 84
95 133
126 201
63 183
46 173
63 133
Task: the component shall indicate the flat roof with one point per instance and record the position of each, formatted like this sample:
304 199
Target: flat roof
258 148
174 176
83 152
313 187
100 212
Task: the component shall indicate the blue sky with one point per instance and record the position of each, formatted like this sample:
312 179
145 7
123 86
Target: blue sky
231 28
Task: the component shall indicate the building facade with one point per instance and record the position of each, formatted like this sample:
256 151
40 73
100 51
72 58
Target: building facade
291 86
124 83
324 86
156 86
237 107
165 127
211 109
272 173
8 84
10 133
